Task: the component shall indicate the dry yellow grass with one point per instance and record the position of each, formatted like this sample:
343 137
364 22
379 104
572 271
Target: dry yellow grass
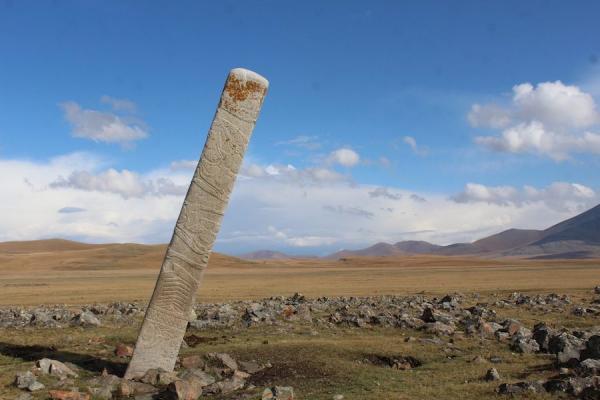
63 272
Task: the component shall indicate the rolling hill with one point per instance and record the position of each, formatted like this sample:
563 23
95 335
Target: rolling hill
577 237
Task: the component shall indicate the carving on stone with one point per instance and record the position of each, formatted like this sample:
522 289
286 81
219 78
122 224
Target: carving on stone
167 316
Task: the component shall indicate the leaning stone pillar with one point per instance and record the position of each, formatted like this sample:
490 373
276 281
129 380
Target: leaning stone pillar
167 315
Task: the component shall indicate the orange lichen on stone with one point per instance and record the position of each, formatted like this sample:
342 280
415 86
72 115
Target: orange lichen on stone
239 90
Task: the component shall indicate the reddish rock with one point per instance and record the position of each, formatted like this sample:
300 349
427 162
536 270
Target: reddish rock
66 395
189 389
194 361
132 388
512 327
486 329
123 350
288 312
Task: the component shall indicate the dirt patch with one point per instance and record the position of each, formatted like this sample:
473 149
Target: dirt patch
194 340
395 362
282 373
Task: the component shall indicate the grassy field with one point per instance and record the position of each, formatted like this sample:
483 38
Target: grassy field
76 274
318 361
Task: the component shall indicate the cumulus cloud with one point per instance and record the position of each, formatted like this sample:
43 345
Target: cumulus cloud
344 157
384 192
119 104
341 214
33 209
183 165
103 126
124 183
489 116
560 196
533 137
289 173
417 198
354 211
268 210
550 119
70 210
412 142
555 104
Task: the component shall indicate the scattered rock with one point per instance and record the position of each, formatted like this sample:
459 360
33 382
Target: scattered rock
438 328
151 376
567 347
250 367
35 386
123 350
479 360
132 388
202 377
592 348
522 344
66 395
87 319
492 375
541 334
54 367
590 367
24 379
101 393
520 388
187 389
223 360
166 378
278 393
194 361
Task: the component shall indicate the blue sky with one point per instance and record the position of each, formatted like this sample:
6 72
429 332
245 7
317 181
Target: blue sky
396 84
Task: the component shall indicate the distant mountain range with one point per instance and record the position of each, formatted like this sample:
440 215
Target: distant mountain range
577 237
265 255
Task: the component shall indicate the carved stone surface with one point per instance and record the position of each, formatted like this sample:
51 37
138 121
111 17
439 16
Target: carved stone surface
167 316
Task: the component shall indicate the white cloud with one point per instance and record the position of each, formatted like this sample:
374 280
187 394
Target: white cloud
340 214
555 104
299 209
412 142
103 126
125 183
352 211
119 104
183 165
549 119
32 209
344 157
489 116
560 196
70 210
289 173
384 192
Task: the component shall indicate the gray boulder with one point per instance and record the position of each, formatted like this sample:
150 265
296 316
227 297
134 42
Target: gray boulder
492 375
86 319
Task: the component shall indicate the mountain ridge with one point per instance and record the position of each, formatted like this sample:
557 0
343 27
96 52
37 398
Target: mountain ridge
576 237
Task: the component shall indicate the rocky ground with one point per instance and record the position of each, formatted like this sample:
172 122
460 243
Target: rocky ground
335 348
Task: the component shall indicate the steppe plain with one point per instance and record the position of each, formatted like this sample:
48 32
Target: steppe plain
359 321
